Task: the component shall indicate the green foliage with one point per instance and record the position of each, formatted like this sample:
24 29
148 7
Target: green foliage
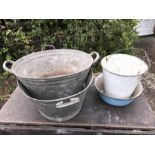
21 37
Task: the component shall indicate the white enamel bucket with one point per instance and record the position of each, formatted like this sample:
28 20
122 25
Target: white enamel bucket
122 73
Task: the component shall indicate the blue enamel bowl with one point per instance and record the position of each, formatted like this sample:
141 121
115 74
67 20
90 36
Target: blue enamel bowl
116 101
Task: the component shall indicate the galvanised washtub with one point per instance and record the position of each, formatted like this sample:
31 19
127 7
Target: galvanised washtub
61 109
53 74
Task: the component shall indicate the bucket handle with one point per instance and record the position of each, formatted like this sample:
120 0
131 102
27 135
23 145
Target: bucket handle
5 65
97 56
147 58
44 47
148 62
132 48
72 101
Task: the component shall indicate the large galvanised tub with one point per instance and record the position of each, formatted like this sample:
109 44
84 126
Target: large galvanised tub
53 74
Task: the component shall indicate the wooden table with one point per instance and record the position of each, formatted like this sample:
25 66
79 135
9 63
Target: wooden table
20 116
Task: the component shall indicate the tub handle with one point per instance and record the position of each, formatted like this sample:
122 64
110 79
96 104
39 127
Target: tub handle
97 56
72 101
5 65
51 46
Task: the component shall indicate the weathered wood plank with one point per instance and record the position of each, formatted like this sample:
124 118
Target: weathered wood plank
37 130
95 115
19 110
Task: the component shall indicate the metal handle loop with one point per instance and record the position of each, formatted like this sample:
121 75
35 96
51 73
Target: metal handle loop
97 56
72 101
44 47
138 49
147 58
5 65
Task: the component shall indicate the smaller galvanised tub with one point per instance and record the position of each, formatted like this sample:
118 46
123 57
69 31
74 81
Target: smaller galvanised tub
62 109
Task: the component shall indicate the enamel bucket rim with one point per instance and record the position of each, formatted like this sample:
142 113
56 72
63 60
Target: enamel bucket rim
122 74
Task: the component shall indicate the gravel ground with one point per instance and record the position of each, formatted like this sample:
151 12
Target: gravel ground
148 44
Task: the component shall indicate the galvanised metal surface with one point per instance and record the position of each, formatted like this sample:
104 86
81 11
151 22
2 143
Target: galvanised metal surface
61 109
48 89
54 73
